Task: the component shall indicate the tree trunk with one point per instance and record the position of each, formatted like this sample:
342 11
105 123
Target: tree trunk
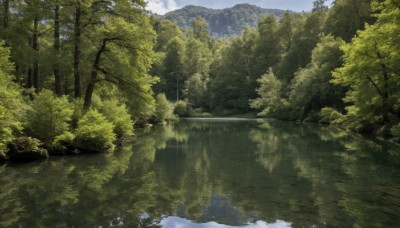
6 4
77 51
29 83
57 75
93 76
35 46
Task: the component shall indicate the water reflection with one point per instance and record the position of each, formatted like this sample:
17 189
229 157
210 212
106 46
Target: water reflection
213 173
174 221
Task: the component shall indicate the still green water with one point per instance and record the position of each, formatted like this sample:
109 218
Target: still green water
213 173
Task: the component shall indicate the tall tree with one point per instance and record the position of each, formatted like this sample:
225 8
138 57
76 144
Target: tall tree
57 73
346 17
371 68
77 48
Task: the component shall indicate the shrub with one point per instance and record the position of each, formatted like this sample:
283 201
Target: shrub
329 115
12 105
26 148
94 133
182 108
64 143
49 116
119 116
164 109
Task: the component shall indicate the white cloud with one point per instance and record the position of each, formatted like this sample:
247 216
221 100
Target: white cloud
178 222
161 6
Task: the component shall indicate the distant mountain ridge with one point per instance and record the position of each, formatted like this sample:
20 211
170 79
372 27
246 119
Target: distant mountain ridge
223 22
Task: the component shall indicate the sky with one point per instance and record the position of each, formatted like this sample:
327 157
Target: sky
163 6
181 223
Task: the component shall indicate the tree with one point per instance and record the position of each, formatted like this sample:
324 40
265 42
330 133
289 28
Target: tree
197 61
124 55
172 74
304 41
371 68
267 49
346 17
196 90
269 92
199 30
311 88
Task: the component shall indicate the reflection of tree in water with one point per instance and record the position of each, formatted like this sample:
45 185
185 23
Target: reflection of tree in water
183 173
84 191
348 186
300 173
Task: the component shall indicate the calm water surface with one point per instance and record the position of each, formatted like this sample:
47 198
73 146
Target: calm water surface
213 173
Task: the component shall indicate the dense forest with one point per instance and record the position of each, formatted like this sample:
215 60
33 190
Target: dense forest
76 76
224 22
335 64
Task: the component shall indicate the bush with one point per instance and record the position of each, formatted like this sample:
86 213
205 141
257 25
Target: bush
198 112
12 105
94 133
49 116
164 109
64 143
330 115
26 148
119 116
182 108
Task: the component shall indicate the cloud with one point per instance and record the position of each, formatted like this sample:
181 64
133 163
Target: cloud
178 222
161 6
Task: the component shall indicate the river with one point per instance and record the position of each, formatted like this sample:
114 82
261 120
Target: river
213 173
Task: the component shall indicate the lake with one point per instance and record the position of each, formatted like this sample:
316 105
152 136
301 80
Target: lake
213 173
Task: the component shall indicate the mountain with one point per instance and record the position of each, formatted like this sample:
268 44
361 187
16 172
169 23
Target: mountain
223 22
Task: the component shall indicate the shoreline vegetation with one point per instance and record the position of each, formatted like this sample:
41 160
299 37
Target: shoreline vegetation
79 76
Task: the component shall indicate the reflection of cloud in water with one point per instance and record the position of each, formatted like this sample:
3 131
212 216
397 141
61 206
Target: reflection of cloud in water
176 222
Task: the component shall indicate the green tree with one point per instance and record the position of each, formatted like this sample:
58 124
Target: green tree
371 69
346 17
311 88
304 41
269 92
172 74
199 30
164 109
267 49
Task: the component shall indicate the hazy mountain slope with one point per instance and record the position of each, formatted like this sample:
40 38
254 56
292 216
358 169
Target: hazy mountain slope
224 22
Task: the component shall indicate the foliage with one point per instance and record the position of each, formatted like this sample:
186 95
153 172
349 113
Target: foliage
26 148
269 92
49 116
164 109
371 69
343 22
64 142
311 87
395 130
182 108
94 133
12 106
118 115
330 115
223 23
